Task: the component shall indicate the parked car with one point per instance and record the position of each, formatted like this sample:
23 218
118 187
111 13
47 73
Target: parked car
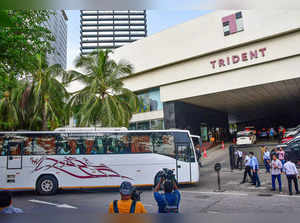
245 137
293 129
289 135
251 129
263 133
292 150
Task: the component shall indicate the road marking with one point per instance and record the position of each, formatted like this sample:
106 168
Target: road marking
216 193
257 188
289 196
52 204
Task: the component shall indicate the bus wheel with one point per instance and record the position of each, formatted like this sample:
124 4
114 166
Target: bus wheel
47 185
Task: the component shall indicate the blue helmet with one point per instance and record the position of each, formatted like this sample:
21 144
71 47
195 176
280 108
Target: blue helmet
126 188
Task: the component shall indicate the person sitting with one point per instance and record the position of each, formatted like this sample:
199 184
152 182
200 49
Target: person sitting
126 205
6 206
168 202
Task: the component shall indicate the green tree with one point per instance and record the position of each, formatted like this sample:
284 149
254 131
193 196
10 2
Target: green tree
23 34
8 113
103 99
42 98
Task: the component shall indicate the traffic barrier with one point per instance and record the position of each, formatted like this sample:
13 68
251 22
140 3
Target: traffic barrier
223 145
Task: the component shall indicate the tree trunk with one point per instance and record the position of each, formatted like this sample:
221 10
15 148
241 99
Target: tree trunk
44 118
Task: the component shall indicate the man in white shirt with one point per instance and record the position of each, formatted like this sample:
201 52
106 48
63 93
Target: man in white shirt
267 159
276 166
247 169
291 173
239 163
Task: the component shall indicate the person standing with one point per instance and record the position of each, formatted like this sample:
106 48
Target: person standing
255 169
168 202
276 173
6 206
247 169
291 173
281 156
239 163
267 159
126 205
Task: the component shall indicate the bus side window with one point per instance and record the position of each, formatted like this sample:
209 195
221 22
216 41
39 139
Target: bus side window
99 145
28 148
62 147
164 144
122 143
15 146
89 144
81 146
2 147
141 143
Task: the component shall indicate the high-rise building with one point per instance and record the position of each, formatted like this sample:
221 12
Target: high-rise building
57 24
111 29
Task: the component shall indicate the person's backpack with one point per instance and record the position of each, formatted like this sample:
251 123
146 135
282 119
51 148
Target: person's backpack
132 207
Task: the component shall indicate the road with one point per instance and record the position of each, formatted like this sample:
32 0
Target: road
199 199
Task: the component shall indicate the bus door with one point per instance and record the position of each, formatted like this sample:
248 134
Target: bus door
14 156
183 162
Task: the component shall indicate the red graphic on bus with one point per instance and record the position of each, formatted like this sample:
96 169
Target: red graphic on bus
80 169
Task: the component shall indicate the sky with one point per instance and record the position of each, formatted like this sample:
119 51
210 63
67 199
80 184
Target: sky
157 21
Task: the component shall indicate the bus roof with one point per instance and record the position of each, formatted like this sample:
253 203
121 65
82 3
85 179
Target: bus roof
90 129
60 132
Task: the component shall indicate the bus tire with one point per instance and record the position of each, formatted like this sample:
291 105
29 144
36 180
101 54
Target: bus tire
47 185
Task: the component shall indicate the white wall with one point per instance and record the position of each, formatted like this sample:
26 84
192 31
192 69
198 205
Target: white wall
240 78
276 48
205 35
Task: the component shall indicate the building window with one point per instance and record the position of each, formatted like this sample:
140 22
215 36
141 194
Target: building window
157 124
151 101
143 125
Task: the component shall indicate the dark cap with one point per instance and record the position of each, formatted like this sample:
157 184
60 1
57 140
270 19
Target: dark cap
126 188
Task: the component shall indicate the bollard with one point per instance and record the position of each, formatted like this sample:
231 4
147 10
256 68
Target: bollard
218 168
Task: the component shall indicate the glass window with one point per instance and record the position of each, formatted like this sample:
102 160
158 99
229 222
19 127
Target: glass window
28 148
157 124
62 145
122 143
182 137
164 144
43 145
132 126
151 101
185 153
143 125
295 146
15 145
141 143
3 146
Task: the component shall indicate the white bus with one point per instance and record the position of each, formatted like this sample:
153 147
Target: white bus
48 161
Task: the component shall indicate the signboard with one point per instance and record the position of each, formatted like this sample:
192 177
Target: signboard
239 58
233 23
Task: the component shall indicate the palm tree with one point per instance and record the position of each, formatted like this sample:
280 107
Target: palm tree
103 99
42 99
8 114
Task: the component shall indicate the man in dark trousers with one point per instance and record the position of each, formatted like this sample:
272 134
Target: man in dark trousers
255 168
239 163
247 169
292 173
